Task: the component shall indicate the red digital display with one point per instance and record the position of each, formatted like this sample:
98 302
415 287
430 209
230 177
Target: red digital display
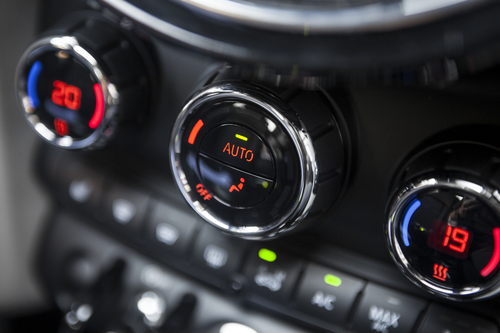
66 95
454 241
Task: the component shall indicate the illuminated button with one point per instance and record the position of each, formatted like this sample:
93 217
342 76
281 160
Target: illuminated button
274 279
231 186
328 294
239 147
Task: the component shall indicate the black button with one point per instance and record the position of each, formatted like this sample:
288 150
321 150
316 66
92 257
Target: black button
385 310
328 294
441 319
232 186
239 147
125 206
171 228
219 254
272 273
78 185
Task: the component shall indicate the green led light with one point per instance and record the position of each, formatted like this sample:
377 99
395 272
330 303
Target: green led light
241 137
333 280
265 184
267 255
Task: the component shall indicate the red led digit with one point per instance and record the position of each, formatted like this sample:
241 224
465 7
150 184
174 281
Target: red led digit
58 93
447 238
66 95
462 240
72 96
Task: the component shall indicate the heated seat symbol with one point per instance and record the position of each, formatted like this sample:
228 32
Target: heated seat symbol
237 188
440 272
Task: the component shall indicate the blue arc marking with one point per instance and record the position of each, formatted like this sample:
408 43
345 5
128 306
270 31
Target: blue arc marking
406 221
32 83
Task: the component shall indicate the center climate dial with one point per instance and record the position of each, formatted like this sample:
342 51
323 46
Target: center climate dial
246 163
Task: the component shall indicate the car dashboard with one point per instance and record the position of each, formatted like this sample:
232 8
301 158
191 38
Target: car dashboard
256 166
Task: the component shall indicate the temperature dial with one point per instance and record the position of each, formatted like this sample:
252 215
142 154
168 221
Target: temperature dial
444 226
71 86
248 164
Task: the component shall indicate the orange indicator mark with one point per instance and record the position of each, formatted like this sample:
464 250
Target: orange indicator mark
194 132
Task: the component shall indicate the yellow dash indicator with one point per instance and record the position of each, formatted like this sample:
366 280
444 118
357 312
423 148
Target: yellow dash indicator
333 280
241 137
265 184
267 255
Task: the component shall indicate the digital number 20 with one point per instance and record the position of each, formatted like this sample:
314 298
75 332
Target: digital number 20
66 95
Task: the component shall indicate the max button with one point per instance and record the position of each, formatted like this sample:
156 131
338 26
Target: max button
240 148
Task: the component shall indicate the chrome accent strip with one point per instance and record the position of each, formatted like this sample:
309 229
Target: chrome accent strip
367 18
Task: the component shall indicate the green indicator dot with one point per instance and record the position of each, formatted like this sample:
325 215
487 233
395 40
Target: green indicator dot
267 255
333 280
241 137
265 184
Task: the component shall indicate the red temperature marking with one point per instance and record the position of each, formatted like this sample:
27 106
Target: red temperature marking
495 258
194 131
99 107
66 95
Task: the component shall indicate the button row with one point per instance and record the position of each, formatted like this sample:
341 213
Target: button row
329 295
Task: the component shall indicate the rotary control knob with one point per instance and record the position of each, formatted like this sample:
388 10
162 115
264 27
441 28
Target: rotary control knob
248 163
83 79
443 226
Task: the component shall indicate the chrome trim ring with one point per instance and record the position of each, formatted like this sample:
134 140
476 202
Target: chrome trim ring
295 129
486 194
71 45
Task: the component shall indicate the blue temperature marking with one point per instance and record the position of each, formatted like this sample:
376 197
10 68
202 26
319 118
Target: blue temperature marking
32 82
406 221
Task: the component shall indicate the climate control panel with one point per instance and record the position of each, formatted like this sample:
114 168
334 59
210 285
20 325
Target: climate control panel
247 163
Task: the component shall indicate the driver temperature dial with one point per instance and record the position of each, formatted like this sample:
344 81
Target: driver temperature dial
82 80
254 166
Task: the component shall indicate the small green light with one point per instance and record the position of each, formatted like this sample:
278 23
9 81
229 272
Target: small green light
241 137
422 229
333 280
267 255
265 184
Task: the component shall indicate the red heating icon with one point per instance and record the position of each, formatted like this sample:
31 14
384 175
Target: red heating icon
440 272
61 126
237 188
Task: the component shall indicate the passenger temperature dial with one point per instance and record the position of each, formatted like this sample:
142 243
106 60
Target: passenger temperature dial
248 165
444 226
75 88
